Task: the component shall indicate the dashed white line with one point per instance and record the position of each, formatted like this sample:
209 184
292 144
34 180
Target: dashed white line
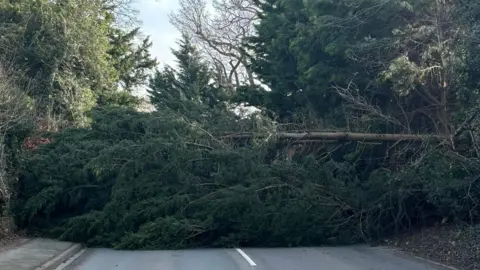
245 256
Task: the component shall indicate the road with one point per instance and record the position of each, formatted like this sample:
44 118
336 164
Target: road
325 258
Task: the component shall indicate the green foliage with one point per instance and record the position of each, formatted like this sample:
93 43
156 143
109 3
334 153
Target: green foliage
74 52
62 47
131 62
380 63
188 89
141 181
301 51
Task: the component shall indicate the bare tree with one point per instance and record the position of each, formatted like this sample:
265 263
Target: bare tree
220 30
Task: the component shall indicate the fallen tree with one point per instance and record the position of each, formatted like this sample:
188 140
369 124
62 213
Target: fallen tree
340 136
142 181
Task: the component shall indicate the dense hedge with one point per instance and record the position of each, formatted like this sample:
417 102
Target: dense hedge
145 181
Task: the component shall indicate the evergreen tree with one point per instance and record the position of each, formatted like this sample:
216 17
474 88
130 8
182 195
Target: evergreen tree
189 89
398 67
295 60
132 62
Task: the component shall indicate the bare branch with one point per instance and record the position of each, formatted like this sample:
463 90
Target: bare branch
220 34
351 94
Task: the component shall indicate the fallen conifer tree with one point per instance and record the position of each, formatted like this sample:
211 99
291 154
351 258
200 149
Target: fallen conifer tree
146 181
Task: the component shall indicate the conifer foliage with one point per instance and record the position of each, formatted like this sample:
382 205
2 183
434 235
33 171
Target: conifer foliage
188 89
147 181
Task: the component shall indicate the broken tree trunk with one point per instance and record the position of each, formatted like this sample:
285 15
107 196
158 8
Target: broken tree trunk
340 136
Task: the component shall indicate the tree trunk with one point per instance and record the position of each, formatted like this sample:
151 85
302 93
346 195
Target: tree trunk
341 136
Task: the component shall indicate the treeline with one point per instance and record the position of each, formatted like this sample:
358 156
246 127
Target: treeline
109 175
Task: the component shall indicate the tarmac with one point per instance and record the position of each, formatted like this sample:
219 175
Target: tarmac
46 254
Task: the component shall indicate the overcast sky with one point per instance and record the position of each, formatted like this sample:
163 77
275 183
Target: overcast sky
154 15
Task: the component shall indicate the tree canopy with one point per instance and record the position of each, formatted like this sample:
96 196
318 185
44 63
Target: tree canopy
73 51
331 59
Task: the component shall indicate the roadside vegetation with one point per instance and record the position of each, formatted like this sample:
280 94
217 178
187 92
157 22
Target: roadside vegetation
219 161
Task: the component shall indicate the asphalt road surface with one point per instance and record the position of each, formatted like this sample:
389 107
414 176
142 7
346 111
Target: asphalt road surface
325 258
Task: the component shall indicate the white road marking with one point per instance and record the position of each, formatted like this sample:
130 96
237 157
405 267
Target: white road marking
71 260
245 256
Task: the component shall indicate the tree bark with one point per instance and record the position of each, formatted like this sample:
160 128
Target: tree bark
342 136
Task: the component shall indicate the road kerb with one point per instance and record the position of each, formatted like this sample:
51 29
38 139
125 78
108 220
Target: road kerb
71 260
59 259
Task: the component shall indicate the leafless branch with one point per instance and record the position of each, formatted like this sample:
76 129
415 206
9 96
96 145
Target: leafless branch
351 94
220 34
